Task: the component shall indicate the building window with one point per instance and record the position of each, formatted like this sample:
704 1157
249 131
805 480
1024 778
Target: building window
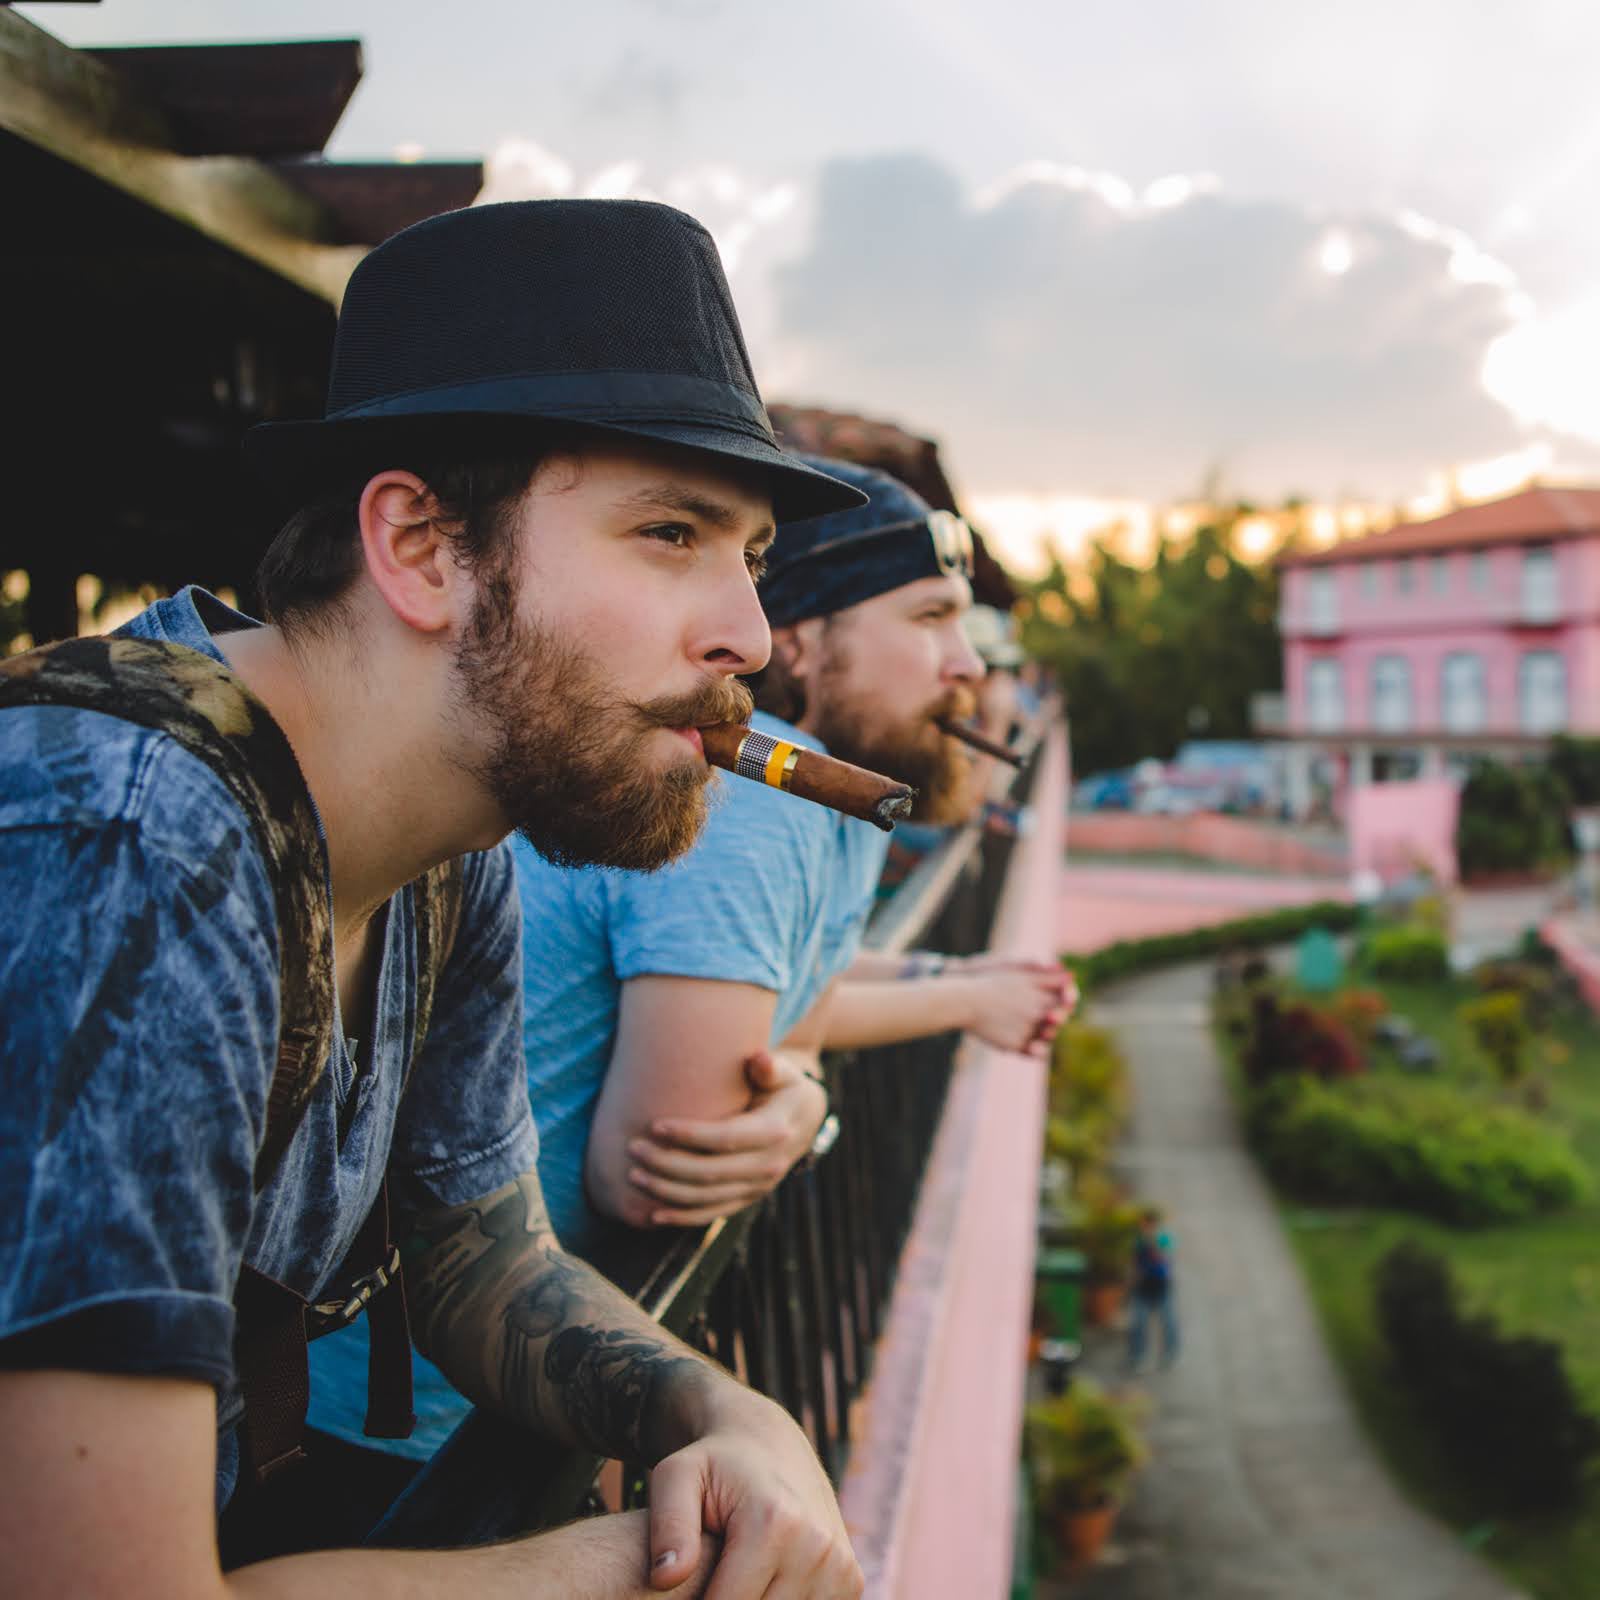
1463 694
1542 691
1369 580
1541 600
1391 694
1324 695
1439 573
1405 574
1322 600
1480 570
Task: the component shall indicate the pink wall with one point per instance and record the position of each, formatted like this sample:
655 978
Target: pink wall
1394 826
930 1494
1232 840
1578 956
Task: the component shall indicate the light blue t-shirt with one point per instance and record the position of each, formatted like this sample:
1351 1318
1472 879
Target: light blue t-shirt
776 893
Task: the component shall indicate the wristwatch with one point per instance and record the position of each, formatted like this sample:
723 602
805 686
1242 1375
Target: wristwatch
924 964
827 1134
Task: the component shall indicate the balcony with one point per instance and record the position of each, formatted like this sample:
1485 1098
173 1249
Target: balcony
883 1297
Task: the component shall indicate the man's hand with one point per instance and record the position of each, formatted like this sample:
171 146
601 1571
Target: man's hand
989 961
701 1170
1017 1004
752 1479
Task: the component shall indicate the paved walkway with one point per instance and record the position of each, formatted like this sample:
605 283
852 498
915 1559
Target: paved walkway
1262 1486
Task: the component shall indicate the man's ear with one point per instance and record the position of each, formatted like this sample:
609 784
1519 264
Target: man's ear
798 645
408 559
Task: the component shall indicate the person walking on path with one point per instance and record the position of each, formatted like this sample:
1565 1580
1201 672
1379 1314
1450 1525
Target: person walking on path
1152 1297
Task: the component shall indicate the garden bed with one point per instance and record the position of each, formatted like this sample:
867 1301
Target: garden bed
1538 1275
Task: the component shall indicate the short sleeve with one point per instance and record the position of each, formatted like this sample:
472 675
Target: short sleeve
736 907
138 1016
465 1127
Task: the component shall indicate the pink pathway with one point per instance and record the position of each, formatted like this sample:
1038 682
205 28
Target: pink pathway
1100 905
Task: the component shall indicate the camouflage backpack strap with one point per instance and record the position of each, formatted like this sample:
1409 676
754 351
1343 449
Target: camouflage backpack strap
436 903
201 704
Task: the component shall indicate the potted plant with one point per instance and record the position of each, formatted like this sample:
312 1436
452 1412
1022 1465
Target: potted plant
1083 1447
1107 1226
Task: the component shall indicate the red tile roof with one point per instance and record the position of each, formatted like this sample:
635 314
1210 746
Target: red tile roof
1530 517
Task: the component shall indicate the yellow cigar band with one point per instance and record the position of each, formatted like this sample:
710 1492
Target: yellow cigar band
781 765
765 759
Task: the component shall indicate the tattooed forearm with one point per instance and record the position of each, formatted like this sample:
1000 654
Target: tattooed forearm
534 1334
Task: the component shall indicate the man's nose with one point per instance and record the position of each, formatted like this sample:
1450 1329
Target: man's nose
963 662
738 639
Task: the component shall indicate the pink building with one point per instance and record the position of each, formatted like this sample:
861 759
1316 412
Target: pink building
1408 653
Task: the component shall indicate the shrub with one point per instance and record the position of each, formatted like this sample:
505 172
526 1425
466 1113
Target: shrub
1296 1039
1499 1028
1083 1447
1409 954
1547 989
1360 1011
1088 1075
1512 819
1105 1228
1424 1147
1502 1405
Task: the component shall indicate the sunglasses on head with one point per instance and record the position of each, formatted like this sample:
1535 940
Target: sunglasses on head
949 534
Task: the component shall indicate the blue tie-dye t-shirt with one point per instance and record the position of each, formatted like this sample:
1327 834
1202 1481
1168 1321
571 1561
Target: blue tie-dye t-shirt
138 1023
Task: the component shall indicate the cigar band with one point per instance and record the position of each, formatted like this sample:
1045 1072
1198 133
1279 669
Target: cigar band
767 760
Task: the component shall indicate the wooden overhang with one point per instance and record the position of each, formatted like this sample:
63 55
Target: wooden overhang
162 297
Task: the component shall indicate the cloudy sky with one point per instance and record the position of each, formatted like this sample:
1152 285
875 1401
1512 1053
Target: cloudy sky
1096 250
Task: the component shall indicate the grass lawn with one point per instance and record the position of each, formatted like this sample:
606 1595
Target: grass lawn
1540 1277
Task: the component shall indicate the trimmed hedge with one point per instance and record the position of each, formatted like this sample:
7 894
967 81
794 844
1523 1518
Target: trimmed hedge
1503 1405
1408 954
1128 956
1423 1147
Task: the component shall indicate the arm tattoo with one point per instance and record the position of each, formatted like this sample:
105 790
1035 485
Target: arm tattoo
532 1333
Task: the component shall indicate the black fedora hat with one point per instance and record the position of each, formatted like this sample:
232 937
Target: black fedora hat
604 314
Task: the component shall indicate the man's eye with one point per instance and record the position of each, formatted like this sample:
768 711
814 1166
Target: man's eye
673 533
756 561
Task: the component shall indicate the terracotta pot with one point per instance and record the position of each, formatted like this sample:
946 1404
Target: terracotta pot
1101 1303
1083 1533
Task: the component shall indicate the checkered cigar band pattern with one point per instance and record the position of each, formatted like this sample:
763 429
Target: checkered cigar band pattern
765 759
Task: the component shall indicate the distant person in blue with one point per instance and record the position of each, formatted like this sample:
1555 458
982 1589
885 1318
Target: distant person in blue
672 1019
486 612
1152 1298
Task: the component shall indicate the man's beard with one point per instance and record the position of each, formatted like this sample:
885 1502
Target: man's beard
568 759
939 768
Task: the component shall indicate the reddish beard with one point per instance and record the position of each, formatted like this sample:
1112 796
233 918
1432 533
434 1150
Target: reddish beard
915 750
568 759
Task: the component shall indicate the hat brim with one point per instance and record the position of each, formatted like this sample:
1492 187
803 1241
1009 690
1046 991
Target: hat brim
294 459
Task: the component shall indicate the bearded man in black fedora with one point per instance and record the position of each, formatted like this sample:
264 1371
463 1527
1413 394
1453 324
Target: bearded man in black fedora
259 981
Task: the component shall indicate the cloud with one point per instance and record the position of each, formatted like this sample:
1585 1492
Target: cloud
1061 328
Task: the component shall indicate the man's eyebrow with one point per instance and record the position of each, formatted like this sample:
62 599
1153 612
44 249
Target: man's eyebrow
690 502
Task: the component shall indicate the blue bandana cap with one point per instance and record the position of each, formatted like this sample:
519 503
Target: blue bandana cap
828 563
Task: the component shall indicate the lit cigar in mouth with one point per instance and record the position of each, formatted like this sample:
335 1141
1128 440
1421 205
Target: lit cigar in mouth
807 773
959 730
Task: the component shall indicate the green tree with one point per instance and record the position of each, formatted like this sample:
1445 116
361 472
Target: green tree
1150 656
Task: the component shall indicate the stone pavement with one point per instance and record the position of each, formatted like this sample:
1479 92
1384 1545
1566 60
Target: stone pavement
1261 1484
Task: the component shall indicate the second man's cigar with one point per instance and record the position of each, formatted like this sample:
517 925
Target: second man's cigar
959 730
808 773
